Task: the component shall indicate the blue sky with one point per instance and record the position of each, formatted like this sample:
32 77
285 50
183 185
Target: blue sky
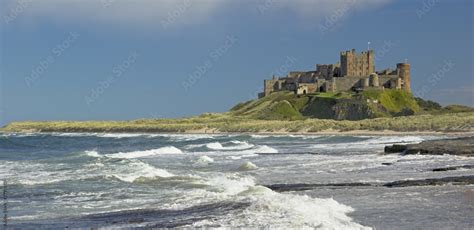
123 59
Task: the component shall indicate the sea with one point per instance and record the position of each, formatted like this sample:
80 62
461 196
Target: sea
141 181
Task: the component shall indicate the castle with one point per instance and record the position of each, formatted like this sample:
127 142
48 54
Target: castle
354 72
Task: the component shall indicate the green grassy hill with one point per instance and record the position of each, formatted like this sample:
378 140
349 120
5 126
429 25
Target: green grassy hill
339 106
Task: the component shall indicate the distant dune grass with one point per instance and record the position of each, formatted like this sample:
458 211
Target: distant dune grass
448 122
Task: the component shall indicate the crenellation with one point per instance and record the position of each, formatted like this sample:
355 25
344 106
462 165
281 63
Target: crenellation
354 72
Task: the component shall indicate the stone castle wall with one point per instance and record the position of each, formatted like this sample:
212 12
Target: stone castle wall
354 72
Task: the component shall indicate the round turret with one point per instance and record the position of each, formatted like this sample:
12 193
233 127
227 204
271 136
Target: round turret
374 80
404 73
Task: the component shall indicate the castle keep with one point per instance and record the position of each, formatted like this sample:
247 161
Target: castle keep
354 72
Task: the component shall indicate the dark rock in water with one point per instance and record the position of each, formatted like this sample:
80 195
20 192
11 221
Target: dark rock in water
395 148
139 219
461 146
387 164
460 180
303 187
452 168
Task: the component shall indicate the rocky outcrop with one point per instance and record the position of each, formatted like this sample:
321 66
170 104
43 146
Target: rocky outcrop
352 110
457 180
452 168
338 109
463 146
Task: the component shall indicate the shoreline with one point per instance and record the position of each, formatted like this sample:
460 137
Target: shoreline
275 133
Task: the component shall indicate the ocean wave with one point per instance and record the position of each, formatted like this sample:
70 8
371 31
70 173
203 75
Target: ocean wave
138 170
204 160
233 147
270 209
236 145
299 136
265 149
146 153
370 142
247 166
100 167
92 153
187 137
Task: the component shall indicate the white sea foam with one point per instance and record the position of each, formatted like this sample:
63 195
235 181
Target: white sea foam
371 143
275 210
247 166
140 170
236 145
122 135
260 136
204 160
92 154
304 137
231 184
187 137
146 153
292 211
265 149
241 148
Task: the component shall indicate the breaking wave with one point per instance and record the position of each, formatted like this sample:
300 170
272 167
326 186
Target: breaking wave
247 166
236 145
204 160
92 153
146 153
271 209
370 142
138 170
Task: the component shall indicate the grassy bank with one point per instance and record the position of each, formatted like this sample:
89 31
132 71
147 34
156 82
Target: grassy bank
227 122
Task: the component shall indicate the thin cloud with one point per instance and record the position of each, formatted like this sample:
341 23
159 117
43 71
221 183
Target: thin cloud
166 12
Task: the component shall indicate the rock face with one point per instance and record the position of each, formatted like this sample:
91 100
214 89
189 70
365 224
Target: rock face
461 146
338 109
350 109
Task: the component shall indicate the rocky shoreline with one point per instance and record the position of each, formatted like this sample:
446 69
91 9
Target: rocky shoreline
455 180
463 146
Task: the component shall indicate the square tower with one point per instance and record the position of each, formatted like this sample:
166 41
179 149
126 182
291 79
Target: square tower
353 64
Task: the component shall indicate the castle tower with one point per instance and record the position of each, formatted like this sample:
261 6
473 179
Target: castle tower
403 70
347 63
353 64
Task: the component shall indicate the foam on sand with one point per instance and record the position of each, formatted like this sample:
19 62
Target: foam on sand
146 153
